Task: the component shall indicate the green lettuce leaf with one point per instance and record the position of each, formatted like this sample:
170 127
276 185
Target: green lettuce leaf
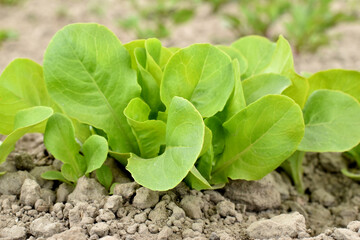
184 140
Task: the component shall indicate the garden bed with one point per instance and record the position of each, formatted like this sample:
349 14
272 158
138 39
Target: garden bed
39 208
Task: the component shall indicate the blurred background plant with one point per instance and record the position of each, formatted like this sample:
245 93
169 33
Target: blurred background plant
156 18
7 34
310 22
305 23
256 17
10 2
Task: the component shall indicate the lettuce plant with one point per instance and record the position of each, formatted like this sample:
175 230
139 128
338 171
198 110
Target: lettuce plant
202 114
329 100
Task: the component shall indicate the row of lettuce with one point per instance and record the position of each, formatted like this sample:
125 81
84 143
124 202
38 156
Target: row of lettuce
202 114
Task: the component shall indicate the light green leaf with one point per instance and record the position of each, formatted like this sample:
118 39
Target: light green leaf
205 163
235 54
88 72
27 120
150 134
59 139
104 176
82 131
201 73
261 85
259 139
207 141
282 59
299 88
332 122
336 79
95 150
218 134
258 52
150 87
196 181
70 173
54 175
130 47
2 173
21 86
120 157
236 101
282 63
184 139
157 55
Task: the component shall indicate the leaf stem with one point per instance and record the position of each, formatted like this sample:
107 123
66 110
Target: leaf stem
293 166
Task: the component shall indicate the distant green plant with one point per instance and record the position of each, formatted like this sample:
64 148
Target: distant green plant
10 2
256 17
310 22
155 18
216 4
97 8
306 22
6 34
61 12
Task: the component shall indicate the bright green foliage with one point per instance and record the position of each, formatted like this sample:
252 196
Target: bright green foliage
88 73
59 139
149 58
332 122
236 101
22 86
202 114
185 131
94 149
26 121
55 175
264 56
150 134
235 54
258 52
259 137
196 180
104 176
282 63
263 84
206 80
336 79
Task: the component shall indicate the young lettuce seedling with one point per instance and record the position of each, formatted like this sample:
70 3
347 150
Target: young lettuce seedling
332 118
202 114
59 139
329 99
